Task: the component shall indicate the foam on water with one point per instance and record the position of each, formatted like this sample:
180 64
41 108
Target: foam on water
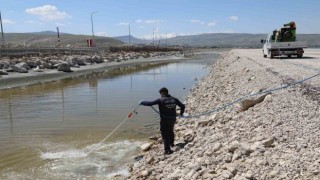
106 161
122 172
63 154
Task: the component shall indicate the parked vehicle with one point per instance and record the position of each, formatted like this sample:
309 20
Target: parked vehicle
283 43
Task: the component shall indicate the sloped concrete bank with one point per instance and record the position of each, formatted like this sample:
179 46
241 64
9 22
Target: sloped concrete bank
276 136
48 74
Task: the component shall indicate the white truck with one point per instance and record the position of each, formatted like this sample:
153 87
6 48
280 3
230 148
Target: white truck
272 48
282 42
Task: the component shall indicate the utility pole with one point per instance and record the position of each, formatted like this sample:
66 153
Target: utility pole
1 29
92 24
153 37
166 39
129 35
58 37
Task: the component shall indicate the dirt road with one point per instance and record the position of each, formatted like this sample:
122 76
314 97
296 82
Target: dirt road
295 67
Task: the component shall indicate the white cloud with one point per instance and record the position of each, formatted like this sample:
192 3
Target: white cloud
104 34
189 34
156 30
30 22
60 24
7 21
213 23
123 24
149 21
152 21
159 36
48 13
171 35
234 18
196 21
148 37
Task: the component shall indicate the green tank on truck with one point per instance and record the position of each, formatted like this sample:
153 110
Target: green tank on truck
282 42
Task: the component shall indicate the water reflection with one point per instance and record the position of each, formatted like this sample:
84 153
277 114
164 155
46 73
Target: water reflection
54 92
10 114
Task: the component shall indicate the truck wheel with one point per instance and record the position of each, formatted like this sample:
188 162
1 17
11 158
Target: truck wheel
289 56
269 55
264 56
299 55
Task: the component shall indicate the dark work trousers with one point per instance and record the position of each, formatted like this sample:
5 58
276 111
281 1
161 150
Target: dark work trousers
167 132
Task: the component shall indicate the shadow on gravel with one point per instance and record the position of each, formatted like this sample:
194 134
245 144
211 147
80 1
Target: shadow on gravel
294 58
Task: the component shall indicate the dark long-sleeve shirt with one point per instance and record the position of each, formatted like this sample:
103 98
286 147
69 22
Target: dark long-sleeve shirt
167 106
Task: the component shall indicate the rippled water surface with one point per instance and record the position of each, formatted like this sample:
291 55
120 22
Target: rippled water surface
47 130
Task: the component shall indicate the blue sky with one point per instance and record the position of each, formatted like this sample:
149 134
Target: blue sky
163 17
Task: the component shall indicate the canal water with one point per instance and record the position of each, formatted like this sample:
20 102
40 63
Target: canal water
47 130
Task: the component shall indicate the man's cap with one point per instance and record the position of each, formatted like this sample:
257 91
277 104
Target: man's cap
163 90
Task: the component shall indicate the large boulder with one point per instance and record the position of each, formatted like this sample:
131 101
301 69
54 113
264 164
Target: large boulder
20 68
56 63
44 65
3 73
97 59
64 67
23 65
146 146
32 64
72 61
248 103
88 61
81 61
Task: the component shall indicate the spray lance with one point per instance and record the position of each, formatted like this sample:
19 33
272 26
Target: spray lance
129 116
133 111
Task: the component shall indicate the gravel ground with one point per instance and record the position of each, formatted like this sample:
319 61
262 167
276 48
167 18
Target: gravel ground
266 136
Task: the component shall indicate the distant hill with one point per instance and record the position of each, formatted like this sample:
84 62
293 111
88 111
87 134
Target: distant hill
48 33
230 40
224 40
49 38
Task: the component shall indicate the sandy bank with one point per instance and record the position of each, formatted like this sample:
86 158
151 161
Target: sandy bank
32 77
277 138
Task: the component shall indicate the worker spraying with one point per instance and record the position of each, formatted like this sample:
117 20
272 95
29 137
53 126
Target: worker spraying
167 107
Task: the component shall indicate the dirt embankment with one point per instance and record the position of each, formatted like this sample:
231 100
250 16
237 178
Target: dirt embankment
276 137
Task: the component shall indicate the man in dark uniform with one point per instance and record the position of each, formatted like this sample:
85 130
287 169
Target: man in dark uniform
167 107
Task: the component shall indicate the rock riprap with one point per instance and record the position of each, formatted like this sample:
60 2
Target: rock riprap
275 136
